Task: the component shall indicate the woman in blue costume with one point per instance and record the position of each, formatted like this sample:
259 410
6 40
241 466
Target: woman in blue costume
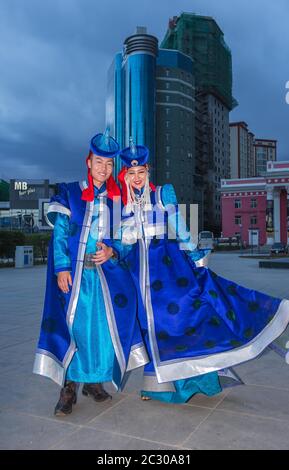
89 332
196 323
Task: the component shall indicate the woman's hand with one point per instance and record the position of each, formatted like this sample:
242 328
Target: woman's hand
102 255
64 280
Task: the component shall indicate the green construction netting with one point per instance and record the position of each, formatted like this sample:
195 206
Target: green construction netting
201 38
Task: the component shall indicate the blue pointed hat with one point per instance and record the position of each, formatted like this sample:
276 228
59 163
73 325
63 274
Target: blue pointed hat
134 155
104 145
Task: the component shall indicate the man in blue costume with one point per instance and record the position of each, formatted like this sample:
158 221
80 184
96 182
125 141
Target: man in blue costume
89 331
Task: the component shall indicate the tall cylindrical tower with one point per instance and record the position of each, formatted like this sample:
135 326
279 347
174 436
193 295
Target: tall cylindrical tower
139 70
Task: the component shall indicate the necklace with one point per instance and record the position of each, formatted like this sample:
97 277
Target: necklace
140 200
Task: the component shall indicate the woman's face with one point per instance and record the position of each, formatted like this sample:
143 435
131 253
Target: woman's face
137 176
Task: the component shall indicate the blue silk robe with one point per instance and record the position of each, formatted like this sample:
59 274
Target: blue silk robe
195 322
90 334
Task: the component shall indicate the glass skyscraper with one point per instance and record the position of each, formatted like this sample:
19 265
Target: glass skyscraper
175 128
130 103
151 97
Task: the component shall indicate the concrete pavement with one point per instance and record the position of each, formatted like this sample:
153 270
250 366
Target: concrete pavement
255 416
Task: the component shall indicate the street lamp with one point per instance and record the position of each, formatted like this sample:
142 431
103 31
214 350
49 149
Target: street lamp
19 215
251 241
241 238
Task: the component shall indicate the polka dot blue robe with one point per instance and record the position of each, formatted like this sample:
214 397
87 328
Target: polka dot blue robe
196 323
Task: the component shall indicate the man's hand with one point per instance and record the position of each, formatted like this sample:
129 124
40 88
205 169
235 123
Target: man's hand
102 255
64 280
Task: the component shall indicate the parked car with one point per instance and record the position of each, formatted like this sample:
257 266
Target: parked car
227 241
277 248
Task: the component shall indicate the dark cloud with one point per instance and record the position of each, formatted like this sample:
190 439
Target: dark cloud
54 58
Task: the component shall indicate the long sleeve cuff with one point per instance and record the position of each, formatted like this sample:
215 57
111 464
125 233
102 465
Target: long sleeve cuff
62 261
62 269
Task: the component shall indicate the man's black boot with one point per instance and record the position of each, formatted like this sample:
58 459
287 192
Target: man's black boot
68 397
96 391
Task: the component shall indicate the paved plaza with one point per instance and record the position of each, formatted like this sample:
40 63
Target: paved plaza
254 416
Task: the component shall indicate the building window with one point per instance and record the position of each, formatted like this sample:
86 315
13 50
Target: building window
253 220
167 72
167 111
167 137
167 98
168 149
167 124
167 162
238 220
253 203
238 203
167 85
167 175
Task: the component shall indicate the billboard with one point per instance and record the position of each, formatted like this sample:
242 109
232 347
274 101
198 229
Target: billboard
25 194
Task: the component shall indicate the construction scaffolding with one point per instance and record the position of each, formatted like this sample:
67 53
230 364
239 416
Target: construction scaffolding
201 38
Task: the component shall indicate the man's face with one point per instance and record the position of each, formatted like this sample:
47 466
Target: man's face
100 168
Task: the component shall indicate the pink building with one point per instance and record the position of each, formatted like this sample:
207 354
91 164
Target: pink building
257 209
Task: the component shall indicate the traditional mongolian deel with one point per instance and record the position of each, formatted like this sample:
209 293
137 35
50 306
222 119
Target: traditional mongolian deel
90 334
196 322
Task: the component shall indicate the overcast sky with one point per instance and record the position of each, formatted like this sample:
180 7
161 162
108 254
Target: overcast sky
54 57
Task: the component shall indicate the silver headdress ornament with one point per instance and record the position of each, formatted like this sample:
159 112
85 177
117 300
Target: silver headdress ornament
106 136
133 151
143 202
133 148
